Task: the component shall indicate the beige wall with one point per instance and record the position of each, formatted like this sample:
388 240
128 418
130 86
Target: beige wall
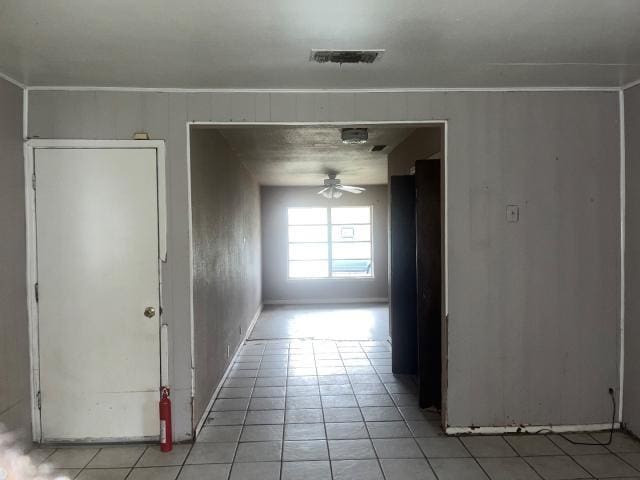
226 258
15 396
534 307
420 145
278 288
631 409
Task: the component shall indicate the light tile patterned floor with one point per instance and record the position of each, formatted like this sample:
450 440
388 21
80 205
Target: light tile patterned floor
322 410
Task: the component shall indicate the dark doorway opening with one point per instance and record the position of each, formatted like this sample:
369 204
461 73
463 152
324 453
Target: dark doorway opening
429 281
417 275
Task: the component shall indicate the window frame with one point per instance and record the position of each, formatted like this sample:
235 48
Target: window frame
329 226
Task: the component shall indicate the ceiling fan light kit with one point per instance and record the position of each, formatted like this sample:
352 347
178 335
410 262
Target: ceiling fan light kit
331 193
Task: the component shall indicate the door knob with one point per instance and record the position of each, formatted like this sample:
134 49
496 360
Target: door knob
149 312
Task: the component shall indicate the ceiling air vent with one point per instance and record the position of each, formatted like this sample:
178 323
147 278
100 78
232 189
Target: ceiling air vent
345 56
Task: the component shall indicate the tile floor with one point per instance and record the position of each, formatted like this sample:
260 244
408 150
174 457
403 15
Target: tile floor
322 410
333 322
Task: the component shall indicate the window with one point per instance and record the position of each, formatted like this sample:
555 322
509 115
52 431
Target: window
329 242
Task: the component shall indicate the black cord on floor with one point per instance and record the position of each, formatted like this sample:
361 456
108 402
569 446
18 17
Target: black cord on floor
595 443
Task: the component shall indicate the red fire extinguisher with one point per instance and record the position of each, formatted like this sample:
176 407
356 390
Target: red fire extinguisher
166 439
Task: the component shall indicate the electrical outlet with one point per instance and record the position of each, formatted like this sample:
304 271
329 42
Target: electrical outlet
513 213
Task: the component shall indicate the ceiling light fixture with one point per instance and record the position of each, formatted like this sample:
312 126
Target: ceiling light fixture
354 135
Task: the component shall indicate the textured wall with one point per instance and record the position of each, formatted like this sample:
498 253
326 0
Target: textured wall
226 257
277 287
631 409
15 403
533 306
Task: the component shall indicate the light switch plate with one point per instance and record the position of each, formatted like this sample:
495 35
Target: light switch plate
513 213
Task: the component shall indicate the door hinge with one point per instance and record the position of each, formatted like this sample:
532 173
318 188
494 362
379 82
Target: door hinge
37 292
38 400
33 181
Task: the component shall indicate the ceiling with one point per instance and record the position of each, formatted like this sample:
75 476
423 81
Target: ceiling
266 44
288 156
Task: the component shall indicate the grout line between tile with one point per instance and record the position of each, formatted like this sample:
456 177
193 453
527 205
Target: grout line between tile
617 455
284 418
135 463
324 423
474 458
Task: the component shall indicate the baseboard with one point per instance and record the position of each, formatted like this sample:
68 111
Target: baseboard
203 419
591 427
325 301
252 324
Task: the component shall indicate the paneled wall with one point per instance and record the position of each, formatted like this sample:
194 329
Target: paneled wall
15 396
533 306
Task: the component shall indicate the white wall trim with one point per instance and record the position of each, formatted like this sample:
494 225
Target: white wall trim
31 246
159 145
203 419
445 234
25 114
444 332
326 301
91 143
623 167
80 88
342 123
192 338
531 429
629 85
12 81
32 275
416 123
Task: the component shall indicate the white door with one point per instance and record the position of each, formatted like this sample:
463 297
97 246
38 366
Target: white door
97 262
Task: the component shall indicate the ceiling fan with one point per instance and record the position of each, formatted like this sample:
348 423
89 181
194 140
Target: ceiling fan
333 187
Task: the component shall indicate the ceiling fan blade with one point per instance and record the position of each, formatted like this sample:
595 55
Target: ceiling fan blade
350 189
321 192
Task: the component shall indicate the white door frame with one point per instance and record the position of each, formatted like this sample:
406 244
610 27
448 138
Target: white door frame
378 123
30 213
